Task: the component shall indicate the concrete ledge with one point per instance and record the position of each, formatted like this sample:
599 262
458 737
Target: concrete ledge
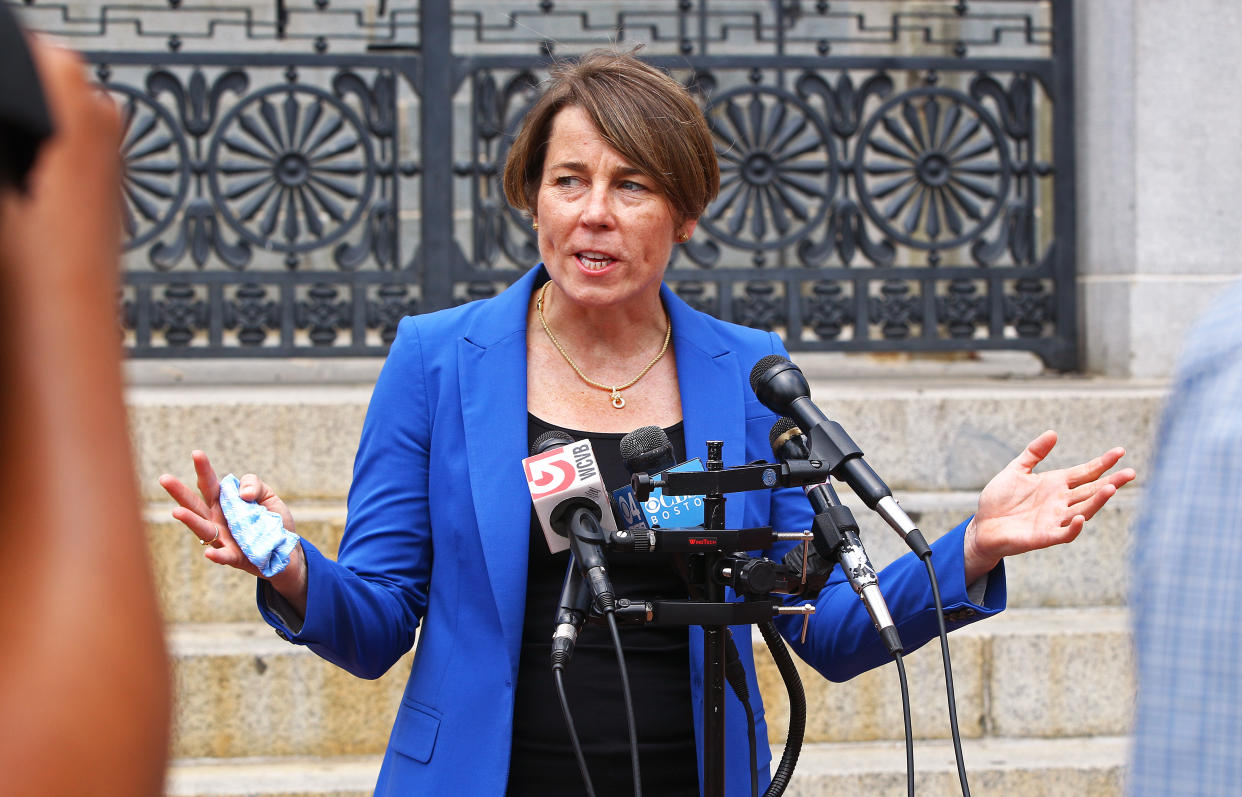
364 370
302 441
1091 571
1084 767
927 435
241 691
1060 672
1032 673
1092 766
345 776
868 707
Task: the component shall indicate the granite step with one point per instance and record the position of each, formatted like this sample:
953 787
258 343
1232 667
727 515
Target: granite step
1083 767
243 692
1093 571
921 436
1042 673
240 691
1092 766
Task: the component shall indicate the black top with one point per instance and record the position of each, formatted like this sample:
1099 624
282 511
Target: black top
657 657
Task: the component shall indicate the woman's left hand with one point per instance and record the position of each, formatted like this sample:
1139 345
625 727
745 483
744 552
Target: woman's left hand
1020 510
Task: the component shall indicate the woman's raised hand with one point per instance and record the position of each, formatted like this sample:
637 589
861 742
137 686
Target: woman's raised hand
200 512
1020 510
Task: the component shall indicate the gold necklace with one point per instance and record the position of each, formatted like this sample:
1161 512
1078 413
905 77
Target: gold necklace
617 401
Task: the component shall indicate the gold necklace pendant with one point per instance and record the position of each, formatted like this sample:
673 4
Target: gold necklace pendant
618 402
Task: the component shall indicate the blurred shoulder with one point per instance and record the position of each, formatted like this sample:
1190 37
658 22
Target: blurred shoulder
1213 346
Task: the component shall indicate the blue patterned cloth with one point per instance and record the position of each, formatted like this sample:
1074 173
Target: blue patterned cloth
1187 577
259 533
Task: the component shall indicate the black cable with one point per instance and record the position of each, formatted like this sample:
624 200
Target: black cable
629 704
735 674
754 748
948 677
797 708
559 676
905 717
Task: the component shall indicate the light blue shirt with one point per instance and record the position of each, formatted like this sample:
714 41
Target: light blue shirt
1187 578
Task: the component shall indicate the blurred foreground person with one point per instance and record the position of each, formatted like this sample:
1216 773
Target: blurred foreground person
1187 576
83 674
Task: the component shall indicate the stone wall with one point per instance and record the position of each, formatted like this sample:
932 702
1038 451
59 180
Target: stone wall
1158 110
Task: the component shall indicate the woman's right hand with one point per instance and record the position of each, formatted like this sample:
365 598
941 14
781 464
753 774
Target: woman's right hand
200 512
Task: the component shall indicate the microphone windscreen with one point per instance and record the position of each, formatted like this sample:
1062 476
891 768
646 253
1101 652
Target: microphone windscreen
782 431
549 440
647 449
762 367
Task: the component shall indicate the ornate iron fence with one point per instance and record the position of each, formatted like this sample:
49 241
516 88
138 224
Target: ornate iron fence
897 175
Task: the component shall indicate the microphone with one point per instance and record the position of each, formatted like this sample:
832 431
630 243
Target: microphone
571 614
575 599
782 388
647 449
561 470
572 506
836 535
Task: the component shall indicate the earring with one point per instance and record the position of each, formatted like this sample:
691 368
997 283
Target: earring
534 225
683 237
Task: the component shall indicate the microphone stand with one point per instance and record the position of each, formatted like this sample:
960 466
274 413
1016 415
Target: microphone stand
715 544
714 641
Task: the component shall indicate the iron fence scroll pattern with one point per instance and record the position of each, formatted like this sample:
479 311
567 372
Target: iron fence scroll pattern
897 175
261 206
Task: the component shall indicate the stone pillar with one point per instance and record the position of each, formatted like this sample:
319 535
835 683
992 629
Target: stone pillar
1159 112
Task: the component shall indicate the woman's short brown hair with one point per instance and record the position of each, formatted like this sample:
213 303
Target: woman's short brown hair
643 113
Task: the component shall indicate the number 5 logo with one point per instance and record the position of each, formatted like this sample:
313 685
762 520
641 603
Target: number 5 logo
545 477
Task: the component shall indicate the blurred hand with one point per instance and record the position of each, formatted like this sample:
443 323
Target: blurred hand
70 217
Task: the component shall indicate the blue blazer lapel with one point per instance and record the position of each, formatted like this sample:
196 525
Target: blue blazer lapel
492 374
712 395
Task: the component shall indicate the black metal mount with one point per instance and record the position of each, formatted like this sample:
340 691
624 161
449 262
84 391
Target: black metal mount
743 478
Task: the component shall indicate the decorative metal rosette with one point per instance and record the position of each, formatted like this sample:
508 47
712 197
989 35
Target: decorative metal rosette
291 168
778 168
156 174
932 168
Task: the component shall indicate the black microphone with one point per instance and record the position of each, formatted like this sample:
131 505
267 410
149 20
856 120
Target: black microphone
570 502
782 388
571 614
575 600
647 449
586 543
836 535
550 440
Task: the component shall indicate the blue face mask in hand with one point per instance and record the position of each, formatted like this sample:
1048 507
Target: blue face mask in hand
259 533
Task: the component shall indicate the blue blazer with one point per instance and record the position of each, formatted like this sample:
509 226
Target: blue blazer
437 535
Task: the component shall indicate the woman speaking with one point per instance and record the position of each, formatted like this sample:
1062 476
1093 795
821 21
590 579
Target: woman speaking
614 164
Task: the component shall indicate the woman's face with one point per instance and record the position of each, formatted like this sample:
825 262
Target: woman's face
605 230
